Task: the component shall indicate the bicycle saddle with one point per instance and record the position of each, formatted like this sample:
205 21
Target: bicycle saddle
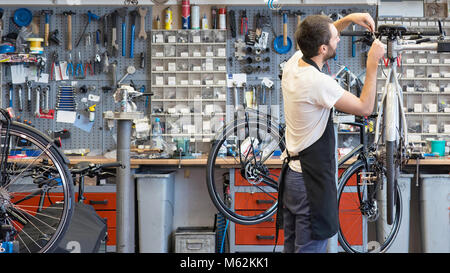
391 29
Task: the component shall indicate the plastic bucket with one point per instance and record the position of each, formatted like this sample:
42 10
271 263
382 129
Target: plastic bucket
438 147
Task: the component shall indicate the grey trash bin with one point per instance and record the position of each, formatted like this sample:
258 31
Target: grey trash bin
401 241
434 208
155 195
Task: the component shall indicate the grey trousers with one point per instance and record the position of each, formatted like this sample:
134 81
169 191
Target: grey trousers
296 217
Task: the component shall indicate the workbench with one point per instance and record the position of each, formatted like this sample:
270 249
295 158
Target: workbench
273 162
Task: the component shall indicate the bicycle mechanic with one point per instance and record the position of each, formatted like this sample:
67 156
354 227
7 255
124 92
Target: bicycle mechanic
308 196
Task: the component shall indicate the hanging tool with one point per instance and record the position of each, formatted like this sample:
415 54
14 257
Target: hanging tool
299 20
123 15
105 30
88 66
97 59
114 44
20 91
38 104
29 96
79 72
130 71
142 33
69 66
105 61
244 22
90 16
10 85
283 44
47 14
69 28
232 20
133 15
55 64
46 91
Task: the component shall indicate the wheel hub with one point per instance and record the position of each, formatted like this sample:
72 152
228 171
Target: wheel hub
370 210
5 197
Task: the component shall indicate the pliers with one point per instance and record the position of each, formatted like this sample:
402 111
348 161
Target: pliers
55 61
88 65
79 72
69 65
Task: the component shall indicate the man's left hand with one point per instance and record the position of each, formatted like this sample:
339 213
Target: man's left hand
363 19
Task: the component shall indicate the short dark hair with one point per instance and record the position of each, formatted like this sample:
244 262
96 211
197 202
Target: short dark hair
313 32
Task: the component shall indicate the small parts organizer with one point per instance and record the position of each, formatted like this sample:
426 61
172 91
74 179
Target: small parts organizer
189 83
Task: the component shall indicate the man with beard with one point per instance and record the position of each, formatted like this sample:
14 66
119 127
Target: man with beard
310 213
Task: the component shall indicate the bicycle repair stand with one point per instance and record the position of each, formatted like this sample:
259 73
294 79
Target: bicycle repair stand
124 186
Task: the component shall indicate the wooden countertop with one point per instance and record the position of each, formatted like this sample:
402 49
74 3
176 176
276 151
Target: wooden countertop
225 162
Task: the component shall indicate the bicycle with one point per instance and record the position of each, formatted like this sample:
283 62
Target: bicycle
361 190
36 189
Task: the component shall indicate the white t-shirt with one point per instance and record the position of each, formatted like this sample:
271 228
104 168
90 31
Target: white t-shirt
308 98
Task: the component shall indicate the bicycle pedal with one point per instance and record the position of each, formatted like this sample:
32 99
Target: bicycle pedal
367 178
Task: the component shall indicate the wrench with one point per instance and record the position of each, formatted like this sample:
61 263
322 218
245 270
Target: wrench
46 91
20 98
142 33
38 103
130 71
29 96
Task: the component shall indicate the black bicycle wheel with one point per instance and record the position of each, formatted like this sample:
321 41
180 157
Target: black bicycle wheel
248 145
363 223
36 190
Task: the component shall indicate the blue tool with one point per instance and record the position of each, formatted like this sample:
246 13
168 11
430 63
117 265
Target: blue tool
133 15
69 65
123 13
79 72
90 16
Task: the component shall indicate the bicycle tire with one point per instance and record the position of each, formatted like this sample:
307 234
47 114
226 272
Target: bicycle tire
391 169
226 204
59 197
354 225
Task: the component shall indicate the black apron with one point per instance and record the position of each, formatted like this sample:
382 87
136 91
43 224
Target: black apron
318 165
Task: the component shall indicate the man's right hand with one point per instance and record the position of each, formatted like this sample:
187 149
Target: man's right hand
376 52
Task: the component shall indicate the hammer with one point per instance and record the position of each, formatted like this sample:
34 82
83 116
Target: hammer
299 20
47 14
69 28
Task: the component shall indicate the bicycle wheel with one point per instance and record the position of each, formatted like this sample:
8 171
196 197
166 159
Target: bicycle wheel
363 223
248 145
36 191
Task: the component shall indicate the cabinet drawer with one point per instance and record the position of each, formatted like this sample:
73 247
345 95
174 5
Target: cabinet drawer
110 216
270 223
253 201
257 236
101 200
241 181
111 237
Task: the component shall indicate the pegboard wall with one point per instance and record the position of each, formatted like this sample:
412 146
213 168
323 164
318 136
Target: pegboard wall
99 137
274 27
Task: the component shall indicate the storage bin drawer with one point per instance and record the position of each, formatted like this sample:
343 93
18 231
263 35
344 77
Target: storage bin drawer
241 181
257 236
101 200
254 201
110 216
